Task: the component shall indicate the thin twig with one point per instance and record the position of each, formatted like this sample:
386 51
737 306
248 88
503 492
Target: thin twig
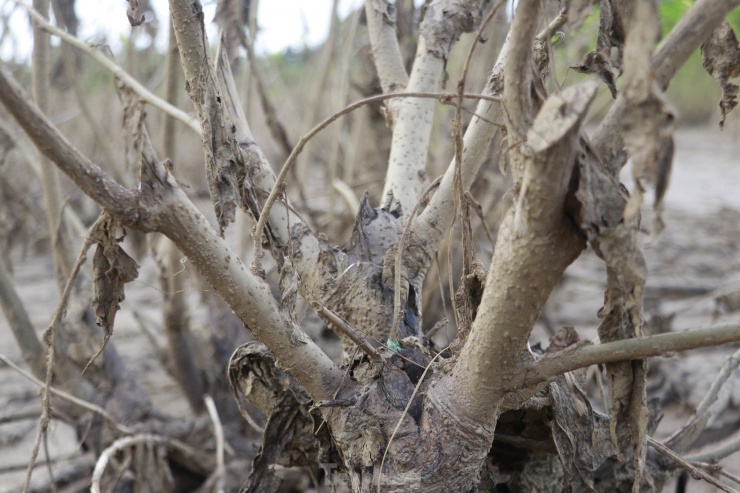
68 397
345 328
47 462
444 98
693 470
478 39
218 430
680 439
719 453
399 258
114 69
716 468
558 22
49 339
115 447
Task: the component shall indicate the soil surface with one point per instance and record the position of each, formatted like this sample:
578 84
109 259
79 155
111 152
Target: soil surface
694 272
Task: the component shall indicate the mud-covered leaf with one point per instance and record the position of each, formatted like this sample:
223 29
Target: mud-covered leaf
565 336
626 379
615 241
600 61
648 119
722 61
112 269
292 437
597 62
288 441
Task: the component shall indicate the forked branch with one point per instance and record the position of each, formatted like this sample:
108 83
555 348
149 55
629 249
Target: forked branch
160 205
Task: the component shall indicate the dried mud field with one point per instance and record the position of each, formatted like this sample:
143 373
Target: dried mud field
694 282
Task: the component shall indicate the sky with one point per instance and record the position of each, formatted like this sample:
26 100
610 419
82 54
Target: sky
283 24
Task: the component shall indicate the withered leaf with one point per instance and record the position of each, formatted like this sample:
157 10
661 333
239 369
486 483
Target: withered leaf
648 119
597 62
611 35
112 269
722 61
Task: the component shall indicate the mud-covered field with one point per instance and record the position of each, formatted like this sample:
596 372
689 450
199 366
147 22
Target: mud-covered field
694 282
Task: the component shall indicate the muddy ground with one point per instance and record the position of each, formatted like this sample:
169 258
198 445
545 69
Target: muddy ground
693 264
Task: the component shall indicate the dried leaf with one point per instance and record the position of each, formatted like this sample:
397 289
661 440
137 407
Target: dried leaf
611 35
112 269
648 120
597 62
615 241
722 61
565 336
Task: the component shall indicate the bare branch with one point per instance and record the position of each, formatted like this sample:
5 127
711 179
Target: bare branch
381 26
148 438
535 244
346 329
518 69
719 453
436 219
278 184
20 323
443 23
160 205
68 397
573 358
